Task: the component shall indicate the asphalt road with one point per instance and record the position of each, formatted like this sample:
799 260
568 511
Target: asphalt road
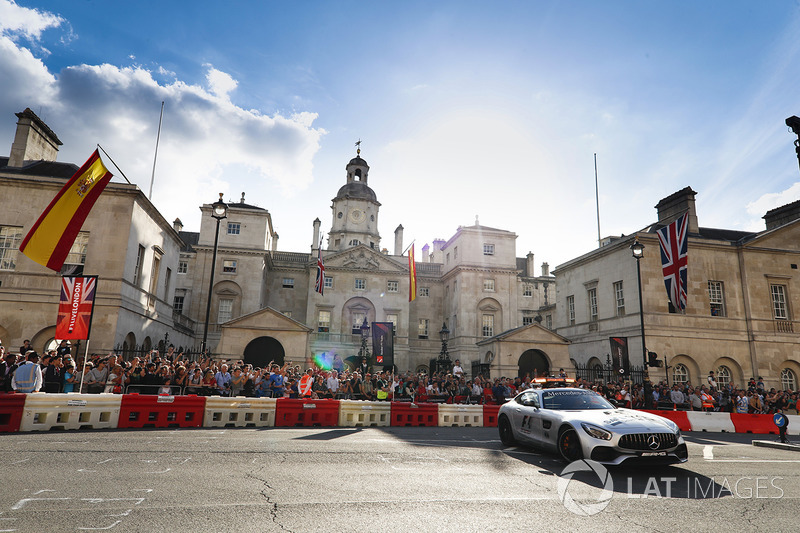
376 480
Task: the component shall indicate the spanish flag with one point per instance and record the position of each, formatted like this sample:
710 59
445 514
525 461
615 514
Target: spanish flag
412 275
50 239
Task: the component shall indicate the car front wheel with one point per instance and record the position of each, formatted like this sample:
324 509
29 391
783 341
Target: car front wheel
506 433
569 445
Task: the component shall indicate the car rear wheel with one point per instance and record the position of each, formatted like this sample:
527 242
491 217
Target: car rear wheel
506 433
569 445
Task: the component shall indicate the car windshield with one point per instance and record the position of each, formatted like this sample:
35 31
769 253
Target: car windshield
574 399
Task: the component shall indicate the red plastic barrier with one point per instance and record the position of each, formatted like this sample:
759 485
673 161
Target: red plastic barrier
11 406
290 412
150 411
747 423
415 414
679 417
490 415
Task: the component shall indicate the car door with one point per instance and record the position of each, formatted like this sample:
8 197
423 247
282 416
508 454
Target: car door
526 419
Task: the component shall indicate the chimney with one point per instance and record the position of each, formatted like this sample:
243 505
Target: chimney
782 215
425 250
315 239
545 269
676 205
529 266
398 240
275 243
177 225
34 141
438 244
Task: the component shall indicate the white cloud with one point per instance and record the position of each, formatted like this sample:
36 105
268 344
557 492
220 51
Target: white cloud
220 83
17 21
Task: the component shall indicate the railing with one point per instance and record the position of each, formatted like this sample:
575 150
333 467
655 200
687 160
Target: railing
784 326
429 268
290 257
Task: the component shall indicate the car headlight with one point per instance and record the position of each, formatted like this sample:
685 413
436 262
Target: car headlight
596 432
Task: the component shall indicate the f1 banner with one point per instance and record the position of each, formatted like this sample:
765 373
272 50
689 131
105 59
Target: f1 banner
383 343
619 355
76 307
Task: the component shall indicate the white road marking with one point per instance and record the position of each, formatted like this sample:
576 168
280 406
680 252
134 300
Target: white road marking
85 470
136 501
24 501
142 490
754 460
106 461
161 472
708 452
43 490
126 513
100 528
20 461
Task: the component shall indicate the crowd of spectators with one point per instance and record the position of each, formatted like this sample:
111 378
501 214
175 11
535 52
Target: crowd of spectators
172 373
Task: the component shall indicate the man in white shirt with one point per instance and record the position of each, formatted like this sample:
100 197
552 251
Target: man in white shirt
333 382
457 370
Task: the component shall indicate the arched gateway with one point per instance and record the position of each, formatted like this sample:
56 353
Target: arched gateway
260 351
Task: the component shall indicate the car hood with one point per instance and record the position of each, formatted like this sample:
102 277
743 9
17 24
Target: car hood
626 420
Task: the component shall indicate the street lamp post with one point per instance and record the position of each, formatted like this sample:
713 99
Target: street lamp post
364 351
443 362
637 249
219 210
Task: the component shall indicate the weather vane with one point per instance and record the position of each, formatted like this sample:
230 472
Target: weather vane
358 147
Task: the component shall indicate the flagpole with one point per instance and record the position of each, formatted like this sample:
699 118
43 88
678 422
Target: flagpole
597 199
155 157
116 165
85 360
407 247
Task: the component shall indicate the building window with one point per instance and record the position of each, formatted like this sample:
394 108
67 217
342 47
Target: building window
680 374
527 320
487 326
619 296
137 270
592 295
779 310
77 253
234 228
324 321
167 281
423 291
527 290
723 376
358 321
355 242
360 284
788 379
488 249
548 321
393 319
10 239
392 286
423 328
225 311
287 283
154 271
328 282
177 304
229 266
571 310
447 259
455 253
715 298
183 267
488 284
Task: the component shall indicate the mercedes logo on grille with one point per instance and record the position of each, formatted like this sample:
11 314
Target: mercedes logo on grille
653 442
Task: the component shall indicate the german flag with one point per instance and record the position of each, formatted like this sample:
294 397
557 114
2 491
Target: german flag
412 275
50 239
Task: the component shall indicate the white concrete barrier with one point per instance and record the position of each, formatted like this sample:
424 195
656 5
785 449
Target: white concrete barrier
794 425
710 421
459 415
239 412
44 412
357 413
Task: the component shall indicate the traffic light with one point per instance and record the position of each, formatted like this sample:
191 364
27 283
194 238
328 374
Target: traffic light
653 360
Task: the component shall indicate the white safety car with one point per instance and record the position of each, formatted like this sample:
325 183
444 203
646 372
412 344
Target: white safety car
581 424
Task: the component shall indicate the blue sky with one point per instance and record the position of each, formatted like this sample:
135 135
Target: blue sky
464 108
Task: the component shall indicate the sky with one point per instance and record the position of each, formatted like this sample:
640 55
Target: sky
465 109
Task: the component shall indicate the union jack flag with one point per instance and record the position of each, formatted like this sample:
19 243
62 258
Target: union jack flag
319 285
674 259
76 307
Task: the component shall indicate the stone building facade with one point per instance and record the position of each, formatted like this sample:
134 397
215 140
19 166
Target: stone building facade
743 293
125 241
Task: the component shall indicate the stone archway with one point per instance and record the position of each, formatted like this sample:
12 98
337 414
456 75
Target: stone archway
261 350
534 363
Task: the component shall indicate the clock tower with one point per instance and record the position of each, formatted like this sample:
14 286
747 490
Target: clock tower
355 210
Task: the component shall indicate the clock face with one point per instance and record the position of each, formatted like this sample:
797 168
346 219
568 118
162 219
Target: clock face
357 216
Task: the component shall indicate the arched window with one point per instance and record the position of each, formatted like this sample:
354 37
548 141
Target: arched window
723 376
788 379
680 374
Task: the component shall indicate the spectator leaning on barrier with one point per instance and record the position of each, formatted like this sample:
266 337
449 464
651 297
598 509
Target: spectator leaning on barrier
28 376
97 377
